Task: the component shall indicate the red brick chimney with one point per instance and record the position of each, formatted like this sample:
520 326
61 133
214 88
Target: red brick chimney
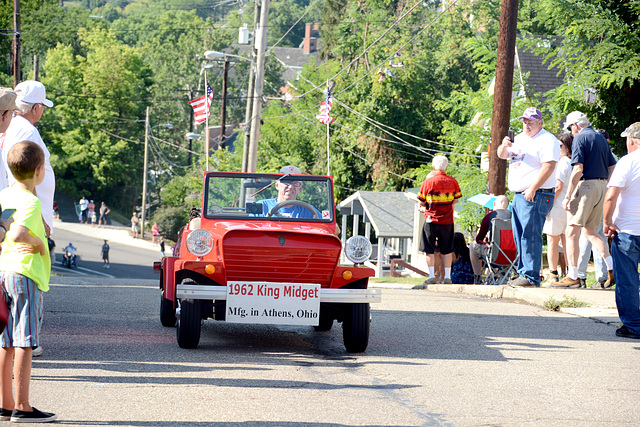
310 43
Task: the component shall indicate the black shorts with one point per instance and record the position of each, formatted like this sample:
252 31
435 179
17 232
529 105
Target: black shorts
442 233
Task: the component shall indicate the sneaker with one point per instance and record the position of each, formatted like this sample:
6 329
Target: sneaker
598 285
5 414
520 282
567 282
34 416
421 286
432 281
624 332
447 282
552 278
37 351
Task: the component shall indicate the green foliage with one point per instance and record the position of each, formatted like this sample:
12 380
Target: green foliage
170 220
553 304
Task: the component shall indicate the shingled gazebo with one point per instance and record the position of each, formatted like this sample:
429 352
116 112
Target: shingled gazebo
391 214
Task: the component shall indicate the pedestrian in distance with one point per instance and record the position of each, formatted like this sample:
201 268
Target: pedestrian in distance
135 225
105 254
25 267
622 222
532 162
162 247
84 206
104 214
593 162
436 199
32 102
155 232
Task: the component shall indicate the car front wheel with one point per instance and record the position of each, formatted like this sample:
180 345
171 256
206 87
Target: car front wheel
355 327
189 323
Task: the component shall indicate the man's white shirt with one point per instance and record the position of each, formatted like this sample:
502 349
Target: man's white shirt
20 130
526 157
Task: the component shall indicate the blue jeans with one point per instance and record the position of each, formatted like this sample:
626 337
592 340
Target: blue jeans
602 273
527 220
625 251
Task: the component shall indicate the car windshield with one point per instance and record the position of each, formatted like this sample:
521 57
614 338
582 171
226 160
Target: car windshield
269 196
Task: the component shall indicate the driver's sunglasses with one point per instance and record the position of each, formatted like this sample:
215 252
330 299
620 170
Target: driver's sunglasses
296 184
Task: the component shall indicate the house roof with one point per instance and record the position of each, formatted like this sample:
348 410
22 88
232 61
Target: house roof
541 78
292 58
390 213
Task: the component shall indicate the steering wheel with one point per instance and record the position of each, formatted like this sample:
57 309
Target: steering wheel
274 210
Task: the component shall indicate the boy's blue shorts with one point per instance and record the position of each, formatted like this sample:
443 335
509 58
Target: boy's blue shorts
24 301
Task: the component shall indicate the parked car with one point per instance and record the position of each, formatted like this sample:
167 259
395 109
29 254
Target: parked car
263 249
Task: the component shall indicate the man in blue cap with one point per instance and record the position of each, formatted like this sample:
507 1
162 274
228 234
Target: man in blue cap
532 163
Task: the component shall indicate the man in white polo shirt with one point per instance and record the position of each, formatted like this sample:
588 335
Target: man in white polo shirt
532 163
32 103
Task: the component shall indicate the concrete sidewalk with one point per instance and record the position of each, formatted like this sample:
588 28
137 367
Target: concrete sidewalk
114 233
601 303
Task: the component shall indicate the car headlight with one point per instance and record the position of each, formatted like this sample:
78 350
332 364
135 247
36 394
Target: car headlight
199 242
358 249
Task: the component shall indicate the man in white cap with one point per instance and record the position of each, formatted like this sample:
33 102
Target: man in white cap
622 221
532 163
7 107
31 103
593 162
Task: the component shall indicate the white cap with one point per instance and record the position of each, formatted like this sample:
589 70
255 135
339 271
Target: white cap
291 170
33 92
575 117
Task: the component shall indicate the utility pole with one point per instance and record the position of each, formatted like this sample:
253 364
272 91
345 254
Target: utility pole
250 89
36 66
190 128
223 114
15 45
144 178
261 35
502 94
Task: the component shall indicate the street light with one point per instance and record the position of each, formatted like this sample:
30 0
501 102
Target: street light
147 130
212 55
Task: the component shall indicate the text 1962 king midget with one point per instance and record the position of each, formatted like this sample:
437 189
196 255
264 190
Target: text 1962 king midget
264 250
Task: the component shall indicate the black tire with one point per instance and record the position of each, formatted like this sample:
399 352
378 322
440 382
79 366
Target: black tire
325 323
167 312
355 327
189 323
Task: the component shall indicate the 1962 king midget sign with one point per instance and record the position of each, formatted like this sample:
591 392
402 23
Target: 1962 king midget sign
264 250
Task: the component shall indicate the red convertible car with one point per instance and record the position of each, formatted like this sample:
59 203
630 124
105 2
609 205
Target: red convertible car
264 249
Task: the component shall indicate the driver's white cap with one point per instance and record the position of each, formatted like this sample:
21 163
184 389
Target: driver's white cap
291 169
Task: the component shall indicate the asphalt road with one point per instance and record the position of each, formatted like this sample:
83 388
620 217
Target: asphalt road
433 359
126 261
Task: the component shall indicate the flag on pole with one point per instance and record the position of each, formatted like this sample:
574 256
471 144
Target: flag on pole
325 108
201 106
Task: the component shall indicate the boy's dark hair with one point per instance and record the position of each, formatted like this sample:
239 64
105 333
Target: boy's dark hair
24 158
460 247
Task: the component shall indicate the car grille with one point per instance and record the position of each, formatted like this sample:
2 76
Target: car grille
259 256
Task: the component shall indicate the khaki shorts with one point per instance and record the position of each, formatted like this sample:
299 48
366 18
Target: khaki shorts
585 208
479 249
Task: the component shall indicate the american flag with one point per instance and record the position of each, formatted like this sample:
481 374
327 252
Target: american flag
200 107
325 108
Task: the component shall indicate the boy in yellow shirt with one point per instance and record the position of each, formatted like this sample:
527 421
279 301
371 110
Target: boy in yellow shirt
25 268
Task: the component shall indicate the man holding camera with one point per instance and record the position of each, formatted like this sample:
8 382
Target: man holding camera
532 156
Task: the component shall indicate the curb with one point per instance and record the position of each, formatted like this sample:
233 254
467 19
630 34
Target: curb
601 304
